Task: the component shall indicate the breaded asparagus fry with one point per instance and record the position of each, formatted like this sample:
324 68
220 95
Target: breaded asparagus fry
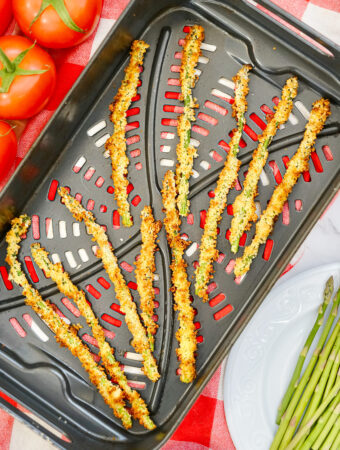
145 268
297 165
116 144
244 205
186 334
65 285
185 152
226 180
140 341
66 335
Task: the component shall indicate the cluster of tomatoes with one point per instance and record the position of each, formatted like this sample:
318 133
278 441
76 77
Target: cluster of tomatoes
27 71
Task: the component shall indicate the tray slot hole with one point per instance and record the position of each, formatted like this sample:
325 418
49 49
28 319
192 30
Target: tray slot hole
223 312
174 82
230 266
285 214
327 153
205 165
135 153
76 229
190 219
172 95
133 111
169 122
111 320
136 200
79 164
139 385
17 327
126 266
165 162
316 161
102 140
216 108
116 307
89 173
165 148
52 190
35 328
99 182
268 249
62 229
258 121
115 220
90 204
93 291
228 83
96 128
104 283
90 339
224 145
173 109
132 126
55 258
298 205
206 118
49 228
70 259
83 255
220 258
139 166
4 276
132 139
110 190
167 135
222 95
217 299
264 178
191 249
303 110
251 133
230 210
31 269
70 306
132 285
276 171
212 287
306 176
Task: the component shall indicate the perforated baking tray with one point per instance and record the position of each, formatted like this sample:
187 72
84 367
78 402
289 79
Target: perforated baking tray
34 370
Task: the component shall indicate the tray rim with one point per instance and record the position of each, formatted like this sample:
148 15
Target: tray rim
276 271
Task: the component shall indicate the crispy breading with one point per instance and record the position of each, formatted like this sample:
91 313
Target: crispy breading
116 144
296 166
140 341
244 204
145 269
226 179
186 334
185 152
66 335
106 352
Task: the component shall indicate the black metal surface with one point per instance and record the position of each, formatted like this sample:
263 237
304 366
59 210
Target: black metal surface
46 378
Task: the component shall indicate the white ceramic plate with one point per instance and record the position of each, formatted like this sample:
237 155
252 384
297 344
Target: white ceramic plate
262 360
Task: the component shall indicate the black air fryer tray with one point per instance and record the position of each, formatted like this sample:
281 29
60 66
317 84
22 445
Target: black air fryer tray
33 368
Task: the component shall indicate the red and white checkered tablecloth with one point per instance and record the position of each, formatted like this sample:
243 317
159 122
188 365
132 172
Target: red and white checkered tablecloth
205 425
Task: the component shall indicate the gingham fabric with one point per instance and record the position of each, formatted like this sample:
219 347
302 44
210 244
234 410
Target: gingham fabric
205 425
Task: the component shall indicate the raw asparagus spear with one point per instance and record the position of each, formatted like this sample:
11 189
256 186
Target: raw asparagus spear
330 431
306 376
303 431
327 295
319 426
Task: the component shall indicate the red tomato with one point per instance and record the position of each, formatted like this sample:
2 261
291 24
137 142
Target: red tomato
49 30
8 149
28 94
5 14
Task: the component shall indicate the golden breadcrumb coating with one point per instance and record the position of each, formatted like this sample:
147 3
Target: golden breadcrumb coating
226 180
296 166
186 334
116 144
66 335
145 269
185 152
140 341
244 204
106 352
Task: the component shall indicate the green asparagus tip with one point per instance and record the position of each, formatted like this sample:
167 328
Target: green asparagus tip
183 210
234 246
127 220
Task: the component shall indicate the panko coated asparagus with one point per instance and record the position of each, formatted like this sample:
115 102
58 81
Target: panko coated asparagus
296 166
66 335
65 285
116 144
145 269
244 205
140 341
226 180
185 152
186 334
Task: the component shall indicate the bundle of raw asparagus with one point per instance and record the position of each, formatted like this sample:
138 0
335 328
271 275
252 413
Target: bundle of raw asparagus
314 397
